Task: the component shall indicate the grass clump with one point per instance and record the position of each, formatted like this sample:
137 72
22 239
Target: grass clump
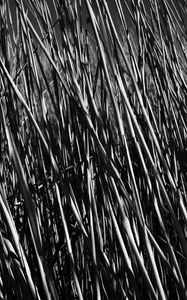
93 150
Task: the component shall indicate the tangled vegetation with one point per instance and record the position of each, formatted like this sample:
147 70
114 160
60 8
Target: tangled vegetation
93 149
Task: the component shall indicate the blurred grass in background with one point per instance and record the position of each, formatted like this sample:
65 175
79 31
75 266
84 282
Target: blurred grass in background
93 150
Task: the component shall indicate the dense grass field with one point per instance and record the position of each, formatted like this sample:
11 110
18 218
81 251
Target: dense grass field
93 150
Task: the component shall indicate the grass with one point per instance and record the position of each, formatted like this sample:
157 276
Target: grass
93 159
